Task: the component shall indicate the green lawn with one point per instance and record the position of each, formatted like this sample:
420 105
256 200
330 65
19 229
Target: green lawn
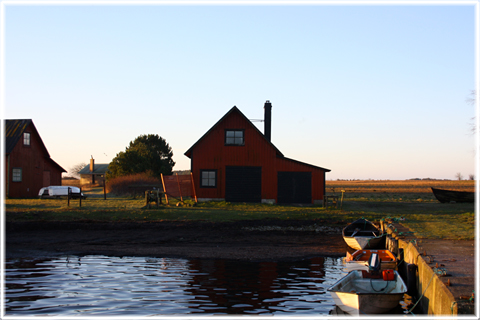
425 219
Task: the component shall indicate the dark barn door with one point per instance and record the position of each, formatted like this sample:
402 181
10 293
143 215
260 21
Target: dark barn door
243 184
294 187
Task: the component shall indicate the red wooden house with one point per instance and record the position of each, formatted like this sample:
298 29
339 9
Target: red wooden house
28 166
235 162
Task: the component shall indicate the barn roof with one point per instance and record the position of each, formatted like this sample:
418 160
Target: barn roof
306 164
279 154
98 168
234 109
14 130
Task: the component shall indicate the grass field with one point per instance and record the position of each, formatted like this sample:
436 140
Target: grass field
395 190
411 200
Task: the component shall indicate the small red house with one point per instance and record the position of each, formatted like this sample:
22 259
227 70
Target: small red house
235 162
28 166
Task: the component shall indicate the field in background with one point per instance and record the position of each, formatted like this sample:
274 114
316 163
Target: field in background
394 190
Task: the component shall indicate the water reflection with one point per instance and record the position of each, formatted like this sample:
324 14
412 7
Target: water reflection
100 285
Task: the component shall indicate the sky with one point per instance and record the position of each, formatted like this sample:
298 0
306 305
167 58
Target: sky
367 91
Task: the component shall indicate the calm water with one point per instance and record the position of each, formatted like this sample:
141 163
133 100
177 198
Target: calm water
101 285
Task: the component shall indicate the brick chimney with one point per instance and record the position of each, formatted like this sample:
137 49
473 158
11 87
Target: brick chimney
92 164
268 120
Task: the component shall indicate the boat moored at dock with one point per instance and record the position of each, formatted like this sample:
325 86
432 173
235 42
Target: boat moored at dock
362 293
363 234
359 259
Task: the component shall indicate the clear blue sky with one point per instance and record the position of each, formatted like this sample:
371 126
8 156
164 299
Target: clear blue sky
368 91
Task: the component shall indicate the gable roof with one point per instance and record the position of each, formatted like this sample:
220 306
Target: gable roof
98 168
279 154
306 164
14 130
236 110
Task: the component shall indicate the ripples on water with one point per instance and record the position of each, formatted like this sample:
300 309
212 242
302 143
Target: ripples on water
101 285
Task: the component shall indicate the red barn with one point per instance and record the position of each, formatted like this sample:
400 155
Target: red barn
235 162
28 166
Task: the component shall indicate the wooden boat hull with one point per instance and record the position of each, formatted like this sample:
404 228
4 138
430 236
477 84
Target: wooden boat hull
449 196
362 234
356 295
359 243
359 260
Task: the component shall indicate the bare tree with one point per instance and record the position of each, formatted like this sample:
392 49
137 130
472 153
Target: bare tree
73 171
459 176
471 177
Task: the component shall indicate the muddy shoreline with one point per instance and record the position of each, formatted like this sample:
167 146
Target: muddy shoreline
266 240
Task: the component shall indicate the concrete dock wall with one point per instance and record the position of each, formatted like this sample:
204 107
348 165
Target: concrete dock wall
435 298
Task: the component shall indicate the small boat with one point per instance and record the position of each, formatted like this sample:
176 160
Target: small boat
364 293
55 192
449 196
359 260
363 234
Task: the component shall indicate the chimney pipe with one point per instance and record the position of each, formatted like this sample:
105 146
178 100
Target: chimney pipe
268 120
92 164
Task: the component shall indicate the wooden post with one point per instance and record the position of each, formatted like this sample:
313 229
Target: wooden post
104 190
193 187
80 197
164 189
341 201
68 197
179 189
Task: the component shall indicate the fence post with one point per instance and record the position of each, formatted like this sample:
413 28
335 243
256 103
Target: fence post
68 197
193 187
104 190
147 195
164 189
80 197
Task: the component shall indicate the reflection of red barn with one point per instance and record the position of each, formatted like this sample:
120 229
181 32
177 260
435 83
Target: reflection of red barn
28 165
234 161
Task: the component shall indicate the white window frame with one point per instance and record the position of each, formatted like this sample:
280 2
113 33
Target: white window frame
27 139
17 175
234 137
208 178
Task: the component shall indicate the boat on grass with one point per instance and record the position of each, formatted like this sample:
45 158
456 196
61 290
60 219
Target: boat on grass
55 192
451 196
364 293
359 260
363 234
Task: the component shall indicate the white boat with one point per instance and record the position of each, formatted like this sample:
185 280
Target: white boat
360 293
363 234
359 260
60 191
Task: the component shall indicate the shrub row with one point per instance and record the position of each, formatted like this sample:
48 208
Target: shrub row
127 185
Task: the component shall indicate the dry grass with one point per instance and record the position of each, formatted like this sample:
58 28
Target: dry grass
123 185
395 190
374 200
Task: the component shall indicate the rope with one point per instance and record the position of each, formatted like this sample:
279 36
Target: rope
410 311
451 307
371 284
